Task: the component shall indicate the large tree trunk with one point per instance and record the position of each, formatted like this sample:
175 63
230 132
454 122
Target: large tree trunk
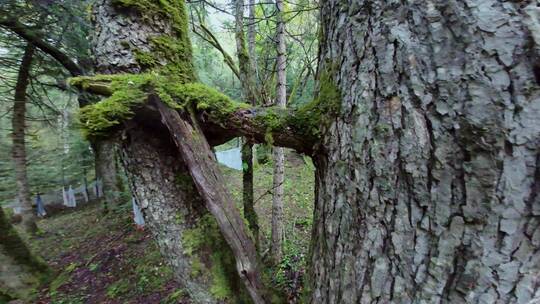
19 146
189 237
427 188
175 214
278 153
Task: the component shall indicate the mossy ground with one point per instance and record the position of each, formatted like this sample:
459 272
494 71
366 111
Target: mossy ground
101 259
106 260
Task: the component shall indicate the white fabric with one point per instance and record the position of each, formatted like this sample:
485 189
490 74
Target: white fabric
137 214
230 158
71 198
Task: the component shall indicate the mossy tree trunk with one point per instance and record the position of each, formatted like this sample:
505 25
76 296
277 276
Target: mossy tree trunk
19 145
427 188
141 36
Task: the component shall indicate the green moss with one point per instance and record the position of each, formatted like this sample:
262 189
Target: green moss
128 93
208 250
169 54
145 59
118 289
314 116
308 120
203 98
62 278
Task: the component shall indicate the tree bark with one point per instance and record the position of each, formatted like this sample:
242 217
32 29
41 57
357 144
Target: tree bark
278 153
19 146
173 212
247 79
427 188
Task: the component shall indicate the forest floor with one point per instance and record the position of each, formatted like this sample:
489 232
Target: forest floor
105 259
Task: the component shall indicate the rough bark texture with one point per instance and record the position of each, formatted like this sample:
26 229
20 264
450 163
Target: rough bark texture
427 191
170 205
18 123
119 34
278 153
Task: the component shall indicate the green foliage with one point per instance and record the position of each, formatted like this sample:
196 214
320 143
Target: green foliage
118 289
62 278
152 274
175 296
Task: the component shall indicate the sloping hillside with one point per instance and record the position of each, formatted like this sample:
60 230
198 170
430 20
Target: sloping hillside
106 259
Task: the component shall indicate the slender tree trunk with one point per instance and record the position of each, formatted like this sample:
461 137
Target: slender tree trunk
19 146
247 79
251 35
427 187
278 153
107 171
247 193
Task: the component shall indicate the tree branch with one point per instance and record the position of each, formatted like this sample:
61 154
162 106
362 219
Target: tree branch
37 40
221 118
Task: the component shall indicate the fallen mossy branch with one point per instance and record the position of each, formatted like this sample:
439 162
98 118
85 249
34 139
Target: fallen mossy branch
294 128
